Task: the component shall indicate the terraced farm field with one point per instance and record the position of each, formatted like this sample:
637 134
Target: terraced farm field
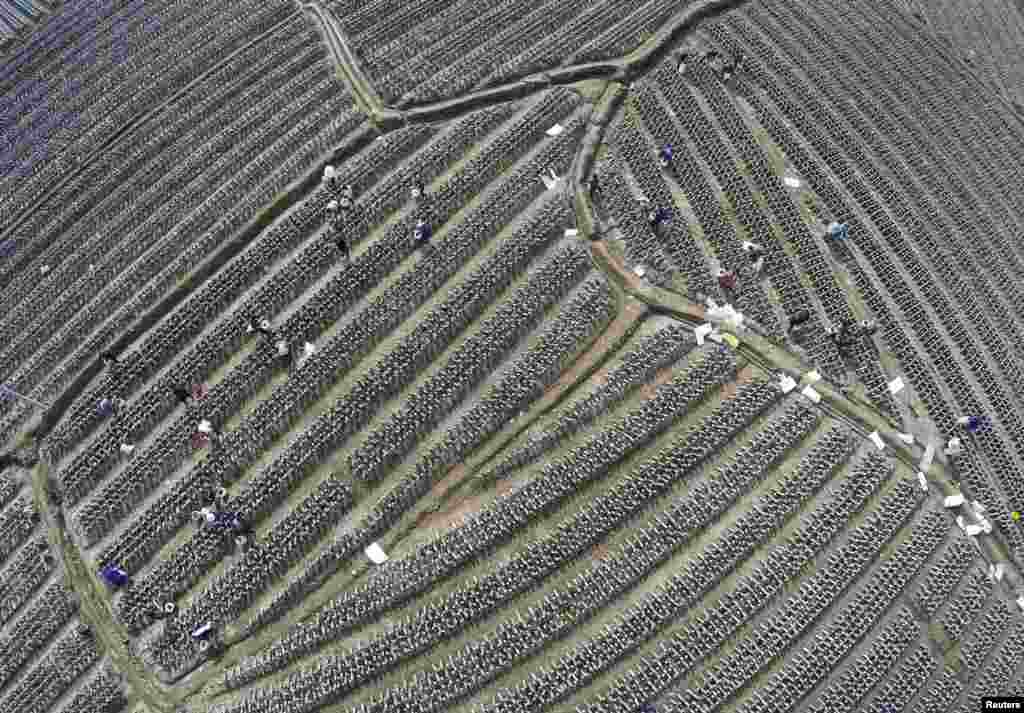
496 357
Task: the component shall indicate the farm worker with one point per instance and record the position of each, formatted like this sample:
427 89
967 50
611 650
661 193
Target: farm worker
109 406
114 576
726 279
799 319
422 232
658 217
838 231
263 327
182 395
752 249
972 423
666 155
330 178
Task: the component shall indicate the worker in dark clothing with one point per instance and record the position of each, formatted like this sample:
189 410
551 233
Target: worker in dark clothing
347 197
421 235
799 319
666 155
283 352
658 217
263 327
110 406
799 324
330 179
845 334
336 229
342 243
112 364
183 395
974 424
732 67
595 187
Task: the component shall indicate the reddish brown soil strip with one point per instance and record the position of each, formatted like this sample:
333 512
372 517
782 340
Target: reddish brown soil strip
743 376
631 311
452 515
630 277
638 285
662 376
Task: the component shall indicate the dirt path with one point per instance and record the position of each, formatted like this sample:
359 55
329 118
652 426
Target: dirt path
582 368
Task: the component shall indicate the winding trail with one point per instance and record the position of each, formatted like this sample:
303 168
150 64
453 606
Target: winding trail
772 357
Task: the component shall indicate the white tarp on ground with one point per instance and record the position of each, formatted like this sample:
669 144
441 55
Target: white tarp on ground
202 630
376 554
555 130
810 393
787 383
927 458
896 385
702 332
923 481
571 232
552 181
953 501
876 438
792 182
724 313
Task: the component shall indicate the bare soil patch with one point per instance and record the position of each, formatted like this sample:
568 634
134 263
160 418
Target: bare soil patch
453 512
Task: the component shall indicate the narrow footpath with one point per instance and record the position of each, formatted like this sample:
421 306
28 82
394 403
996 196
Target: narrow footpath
775 358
